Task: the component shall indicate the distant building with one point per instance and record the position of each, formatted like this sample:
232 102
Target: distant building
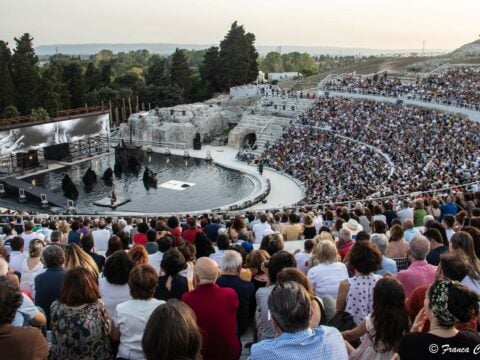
283 76
261 77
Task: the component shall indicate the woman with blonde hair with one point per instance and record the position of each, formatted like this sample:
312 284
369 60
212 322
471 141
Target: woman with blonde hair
76 257
329 271
32 265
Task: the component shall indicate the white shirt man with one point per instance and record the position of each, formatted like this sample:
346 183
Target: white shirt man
260 228
100 239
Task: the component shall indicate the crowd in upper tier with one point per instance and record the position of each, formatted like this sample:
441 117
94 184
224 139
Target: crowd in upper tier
346 149
456 85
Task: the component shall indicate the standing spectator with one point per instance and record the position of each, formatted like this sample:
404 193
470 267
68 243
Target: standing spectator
17 342
289 306
230 278
80 324
132 315
49 283
216 310
172 333
419 272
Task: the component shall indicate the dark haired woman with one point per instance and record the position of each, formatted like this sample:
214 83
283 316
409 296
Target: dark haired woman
172 284
447 302
175 229
74 235
385 326
140 238
79 319
172 333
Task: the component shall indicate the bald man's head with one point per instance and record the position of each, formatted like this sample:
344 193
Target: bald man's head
206 271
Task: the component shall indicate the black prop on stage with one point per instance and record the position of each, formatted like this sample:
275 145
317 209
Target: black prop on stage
57 152
27 160
197 143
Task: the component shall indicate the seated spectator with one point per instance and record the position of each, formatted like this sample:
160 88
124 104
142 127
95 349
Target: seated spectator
419 272
397 248
436 246
49 283
29 234
172 333
211 230
175 229
76 257
238 227
475 234
114 282
132 315
80 325
294 229
56 238
165 243
140 238
309 229
272 243
289 305
188 251
216 310
31 266
303 257
223 243
355 294
254 263
279 261
454 266
203 245
189 234
114 244
100 236
87 246
74 235
329 271
419 213
443 314
384 327
463 242
138 254
388 265
449 222
230 278
17 255
17 342
151 246
344 243
172 284
408 231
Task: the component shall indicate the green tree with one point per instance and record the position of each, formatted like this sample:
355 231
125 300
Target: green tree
53 94
104 56
209 71
156 74
180 72
39 114
25 73
92 77
73 79
237 58
106 75
7 91
162 95
10 111
129 80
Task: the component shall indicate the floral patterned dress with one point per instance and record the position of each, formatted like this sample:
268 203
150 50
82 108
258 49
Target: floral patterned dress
80 332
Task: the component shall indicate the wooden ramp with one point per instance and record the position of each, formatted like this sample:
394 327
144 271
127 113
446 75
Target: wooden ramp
32 190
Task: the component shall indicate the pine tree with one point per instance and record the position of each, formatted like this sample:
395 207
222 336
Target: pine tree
106 75
73 79
25 74
180 73
92 77
7 91
156 74
237 58
53 94
208 71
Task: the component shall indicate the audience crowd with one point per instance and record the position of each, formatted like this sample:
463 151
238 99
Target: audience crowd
456 85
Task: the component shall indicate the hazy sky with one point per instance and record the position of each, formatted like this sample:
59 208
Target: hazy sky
385 24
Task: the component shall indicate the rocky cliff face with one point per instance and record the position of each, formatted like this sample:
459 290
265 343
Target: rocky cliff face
181 123
471 49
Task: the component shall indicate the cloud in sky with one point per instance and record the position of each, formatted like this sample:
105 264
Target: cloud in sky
385 24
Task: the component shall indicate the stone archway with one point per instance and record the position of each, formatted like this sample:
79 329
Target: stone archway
249 140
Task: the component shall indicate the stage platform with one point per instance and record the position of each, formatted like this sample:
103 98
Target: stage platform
54 199
107 202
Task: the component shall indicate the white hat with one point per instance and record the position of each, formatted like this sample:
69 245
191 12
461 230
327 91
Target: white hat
353 226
